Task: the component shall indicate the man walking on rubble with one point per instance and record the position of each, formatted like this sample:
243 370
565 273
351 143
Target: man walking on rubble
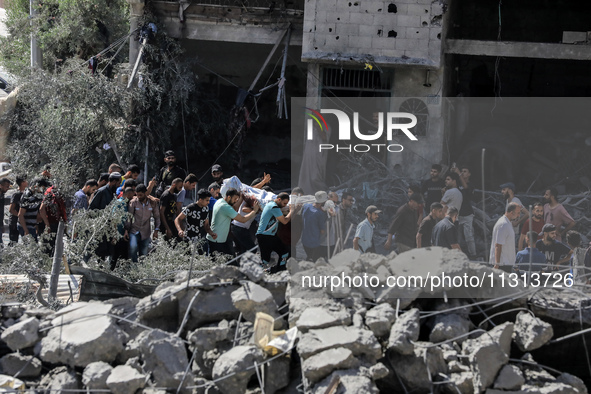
424 234
556 252
168 173
138 229
537 223
556 214
267 232
314 219
466 213
431 188
445 233
404 226
508 191
363 239
453 195
502 246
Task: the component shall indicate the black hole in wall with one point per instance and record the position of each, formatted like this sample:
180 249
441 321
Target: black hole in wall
380 32
392 33
425 24
338 19
426 11
356 4
315 48
439 36
330 29
379 10
350 4
337 37
392 8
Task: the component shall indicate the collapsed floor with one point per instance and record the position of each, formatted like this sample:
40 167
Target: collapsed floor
197 335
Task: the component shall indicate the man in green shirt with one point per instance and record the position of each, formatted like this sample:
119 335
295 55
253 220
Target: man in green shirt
222 216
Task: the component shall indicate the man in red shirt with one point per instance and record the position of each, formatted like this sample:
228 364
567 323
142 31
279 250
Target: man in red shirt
537 223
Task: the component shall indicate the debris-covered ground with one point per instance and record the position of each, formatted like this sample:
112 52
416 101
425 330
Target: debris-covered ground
224 332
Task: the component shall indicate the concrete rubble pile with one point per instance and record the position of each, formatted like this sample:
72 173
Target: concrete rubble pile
197 336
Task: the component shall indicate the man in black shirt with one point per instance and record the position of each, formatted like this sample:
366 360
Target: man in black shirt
168 208
217 174
195 220
4 186
404 225
15 205
445 233
168 173
105 194
431 188
426 226
556 252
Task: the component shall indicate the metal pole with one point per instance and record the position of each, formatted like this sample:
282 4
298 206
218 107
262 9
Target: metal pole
35 51
146 180
327 239
57 261
483 211
531 240
281 90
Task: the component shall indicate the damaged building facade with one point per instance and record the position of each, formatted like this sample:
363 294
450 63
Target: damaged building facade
421 50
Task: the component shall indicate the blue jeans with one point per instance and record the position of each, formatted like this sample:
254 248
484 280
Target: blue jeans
32 231
136 242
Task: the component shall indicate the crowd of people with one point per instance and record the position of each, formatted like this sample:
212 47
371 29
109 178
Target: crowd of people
438 212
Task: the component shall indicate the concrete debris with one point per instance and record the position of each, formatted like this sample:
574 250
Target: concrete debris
322 364
251 298
349 337
237 361
22 335
25 366
530 332
250 266
380 319
510 378
125 379
405 329
448 327
95 375
165 356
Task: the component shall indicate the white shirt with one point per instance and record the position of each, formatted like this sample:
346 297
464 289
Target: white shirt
503 234
453 198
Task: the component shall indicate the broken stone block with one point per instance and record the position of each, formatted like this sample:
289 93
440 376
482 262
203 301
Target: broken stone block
227 273
345 258
251 298
237 361
95 375
250 266
360 342
14 362
161 309
573 381
12 310
125 379
486 357
206 338
380 319
448 327
531 332
322 364
61 378
123 307
373 260
277 374
135 363
298 305
323 317
460 383
277 285
502 334
165 356
294 266
82 342
210 306
456 366
378 371
404 330
510 378
419 368
22 335
351 381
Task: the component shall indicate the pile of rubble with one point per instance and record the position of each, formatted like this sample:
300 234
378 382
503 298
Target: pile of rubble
203 336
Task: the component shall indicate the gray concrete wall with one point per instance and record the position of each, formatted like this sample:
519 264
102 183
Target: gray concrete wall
351 31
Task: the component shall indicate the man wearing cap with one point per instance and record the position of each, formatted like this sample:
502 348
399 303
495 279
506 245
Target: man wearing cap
363 239
217 174
556 252
404 226
556 214
444 233
105 194
508 191
538 259
168 173
431 188
502 246
314 226
4 186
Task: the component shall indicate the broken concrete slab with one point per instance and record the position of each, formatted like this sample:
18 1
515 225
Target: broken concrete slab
380 319
573 381
206 338
378 371
449 326
95 375
25 366
227 273
351 381
125 307
460 382
250 266
510 378
531 332
251 298
323 317
320 365
22 335
345 258
412 369
125 379
359 341
161 309
61 379
209 306
486 357
503 335
238 361
165 356
82 341
397 296
404 330
294 266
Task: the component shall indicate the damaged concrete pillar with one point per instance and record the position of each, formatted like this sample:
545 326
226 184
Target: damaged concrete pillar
136 12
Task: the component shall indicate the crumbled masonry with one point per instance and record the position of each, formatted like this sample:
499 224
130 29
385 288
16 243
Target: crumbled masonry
198 337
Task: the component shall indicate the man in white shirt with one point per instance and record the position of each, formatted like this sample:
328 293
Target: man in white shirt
502 247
